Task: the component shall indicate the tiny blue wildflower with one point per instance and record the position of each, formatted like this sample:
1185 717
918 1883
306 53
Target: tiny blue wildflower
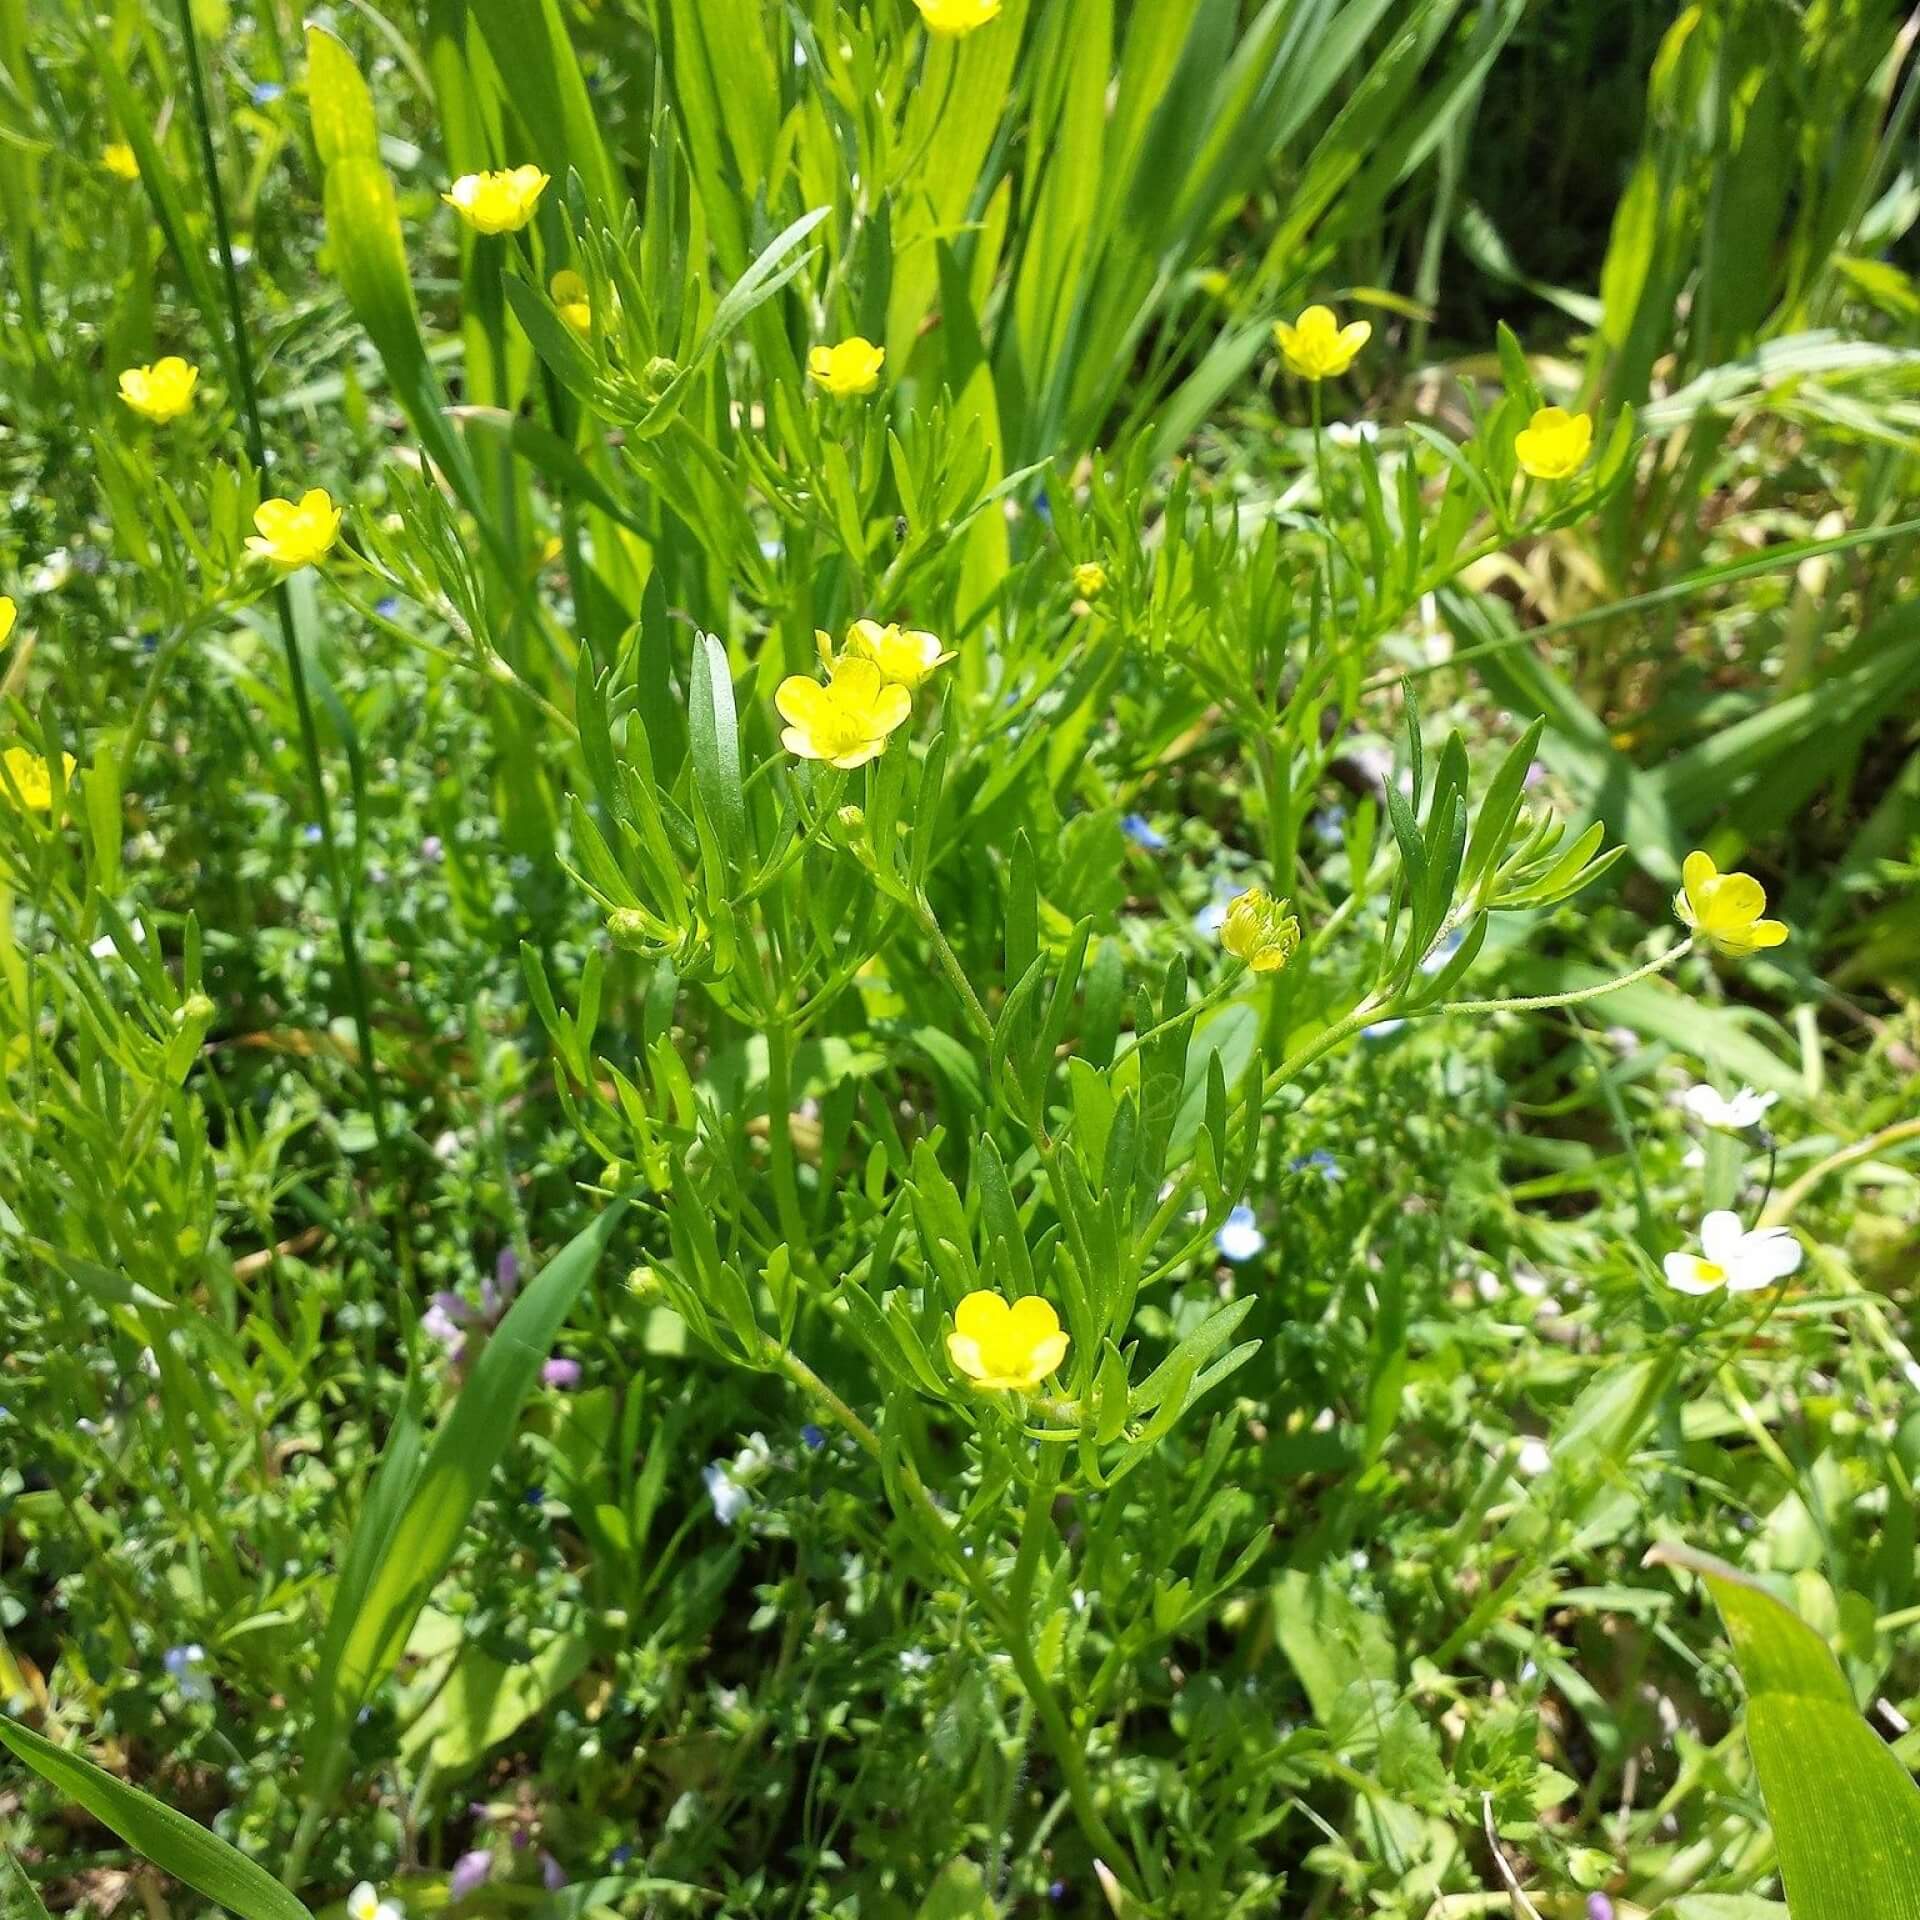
266 92
812 1438
1240 1237
1143 833
1599 1907
387 606
311 833
1323 1163
620 1855
183 1664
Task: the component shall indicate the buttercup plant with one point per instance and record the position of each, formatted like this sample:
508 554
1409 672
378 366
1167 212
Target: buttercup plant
1003 931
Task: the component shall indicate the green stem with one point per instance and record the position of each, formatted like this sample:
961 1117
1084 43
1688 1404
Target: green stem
1782 1210
343 902
786 1182
951 967
1068 1753
1534 1003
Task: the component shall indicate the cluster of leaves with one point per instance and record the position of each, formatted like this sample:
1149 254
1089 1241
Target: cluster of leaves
456 909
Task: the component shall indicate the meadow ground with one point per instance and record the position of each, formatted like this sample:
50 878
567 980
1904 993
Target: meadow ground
958 958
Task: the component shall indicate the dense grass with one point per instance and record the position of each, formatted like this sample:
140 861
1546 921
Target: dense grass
497 1128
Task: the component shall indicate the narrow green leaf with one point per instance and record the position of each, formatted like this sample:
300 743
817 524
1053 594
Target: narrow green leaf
174 1844
1845 1812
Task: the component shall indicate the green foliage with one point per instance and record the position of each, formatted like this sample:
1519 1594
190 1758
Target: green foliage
750 849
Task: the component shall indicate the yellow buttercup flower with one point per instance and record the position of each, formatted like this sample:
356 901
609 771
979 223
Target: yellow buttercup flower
501 202
953 19
296 534
1317 346
1260 930
569 294
1000 1344
846 721
904 655
9 613
161 392
27 773
120 160
1553 443
852 367
1724 909
1089 579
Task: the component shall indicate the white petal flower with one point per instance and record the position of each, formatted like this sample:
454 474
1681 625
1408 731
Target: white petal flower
1239 1237
730 1500
1733 1258
1712 1108
364 1903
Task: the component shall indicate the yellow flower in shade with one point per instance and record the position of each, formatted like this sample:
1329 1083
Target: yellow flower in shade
852 367
1090 580
953 19
1260 930
500 202
846 721
569 294
161 392
1554 443
1724 909
27 773
296 534
904 655
120 160
9 613
1317 346
1000 1344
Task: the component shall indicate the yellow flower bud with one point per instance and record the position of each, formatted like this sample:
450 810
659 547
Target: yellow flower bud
120 160
1260 930
1089 580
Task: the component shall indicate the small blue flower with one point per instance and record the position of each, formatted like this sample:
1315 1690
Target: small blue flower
620 1855
183 1664
311 833
1323 1163
1240 1238
1599 1907
1143 833
812 1438
536 1496
266 92
386 606
1381 1029
1058 1892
